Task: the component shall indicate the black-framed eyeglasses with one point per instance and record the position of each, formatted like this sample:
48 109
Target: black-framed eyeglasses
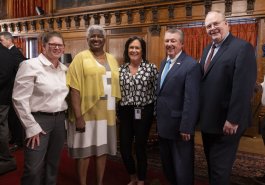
54 45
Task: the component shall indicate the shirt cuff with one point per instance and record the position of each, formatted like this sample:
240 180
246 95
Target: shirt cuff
33 130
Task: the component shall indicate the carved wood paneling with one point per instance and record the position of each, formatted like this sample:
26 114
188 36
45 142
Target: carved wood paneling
75 45
146 18
77 21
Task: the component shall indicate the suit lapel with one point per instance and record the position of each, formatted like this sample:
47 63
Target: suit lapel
173 69
218 55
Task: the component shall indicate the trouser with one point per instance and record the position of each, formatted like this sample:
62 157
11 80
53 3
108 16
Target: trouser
135 130
41 163
177 158
15 127
220 151
5 155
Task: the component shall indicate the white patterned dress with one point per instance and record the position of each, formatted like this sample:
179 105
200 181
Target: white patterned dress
100 135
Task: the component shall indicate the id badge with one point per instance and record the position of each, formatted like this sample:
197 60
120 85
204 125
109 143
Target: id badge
137 113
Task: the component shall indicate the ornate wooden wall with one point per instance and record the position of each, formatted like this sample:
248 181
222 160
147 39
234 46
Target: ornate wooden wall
146 18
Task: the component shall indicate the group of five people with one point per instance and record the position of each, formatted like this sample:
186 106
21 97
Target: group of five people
215 92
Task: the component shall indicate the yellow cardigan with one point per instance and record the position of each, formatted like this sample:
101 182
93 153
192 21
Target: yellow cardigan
85 75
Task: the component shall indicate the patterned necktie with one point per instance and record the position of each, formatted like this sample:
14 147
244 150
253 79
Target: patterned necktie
164 74
208 61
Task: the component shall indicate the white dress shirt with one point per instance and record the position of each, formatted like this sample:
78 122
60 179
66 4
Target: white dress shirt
39 86
173 61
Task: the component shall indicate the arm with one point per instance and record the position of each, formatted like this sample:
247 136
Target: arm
242 88
22 91
191 102
6 70
76 105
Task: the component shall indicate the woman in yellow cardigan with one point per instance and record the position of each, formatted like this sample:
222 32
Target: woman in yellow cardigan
93 79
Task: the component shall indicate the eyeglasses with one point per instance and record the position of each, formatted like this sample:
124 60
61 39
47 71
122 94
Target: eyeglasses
214 24
54 45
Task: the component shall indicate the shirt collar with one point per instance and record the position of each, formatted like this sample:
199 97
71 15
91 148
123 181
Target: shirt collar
175 58
46 62
11 46
219 44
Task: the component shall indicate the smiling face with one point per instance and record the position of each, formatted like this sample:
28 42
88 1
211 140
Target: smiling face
54 49
135 51
96 40
173 44
216 26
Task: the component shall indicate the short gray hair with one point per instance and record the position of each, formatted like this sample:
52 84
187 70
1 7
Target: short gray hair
7 35
95 27
176 30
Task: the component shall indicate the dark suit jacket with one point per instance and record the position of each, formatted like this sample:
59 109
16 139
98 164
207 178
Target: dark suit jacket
227 86
17 55
178 98
7 73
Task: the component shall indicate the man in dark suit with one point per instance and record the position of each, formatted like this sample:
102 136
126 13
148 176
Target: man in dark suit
15 126
7 66
177 109
6 39
225 100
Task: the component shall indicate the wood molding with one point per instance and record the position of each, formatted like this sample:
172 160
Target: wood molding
144 14
155 29
207 6
59 22
118 17
107 17
33 25
228 7
171 11
68 22
77 21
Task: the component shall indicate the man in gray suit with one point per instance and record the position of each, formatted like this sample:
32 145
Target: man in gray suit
177 109
227 86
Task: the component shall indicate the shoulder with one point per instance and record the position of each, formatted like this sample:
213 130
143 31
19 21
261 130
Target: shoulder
79 57
190 60
83 54
238 42
33 62
151 66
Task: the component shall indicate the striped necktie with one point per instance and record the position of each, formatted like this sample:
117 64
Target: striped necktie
209 59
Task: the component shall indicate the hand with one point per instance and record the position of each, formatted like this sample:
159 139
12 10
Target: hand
230 128
34 140
185 137
80 124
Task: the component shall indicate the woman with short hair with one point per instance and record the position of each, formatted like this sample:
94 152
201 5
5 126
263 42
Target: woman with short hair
93 78
39 99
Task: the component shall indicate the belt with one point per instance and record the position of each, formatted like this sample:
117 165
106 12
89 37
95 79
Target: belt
49 113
